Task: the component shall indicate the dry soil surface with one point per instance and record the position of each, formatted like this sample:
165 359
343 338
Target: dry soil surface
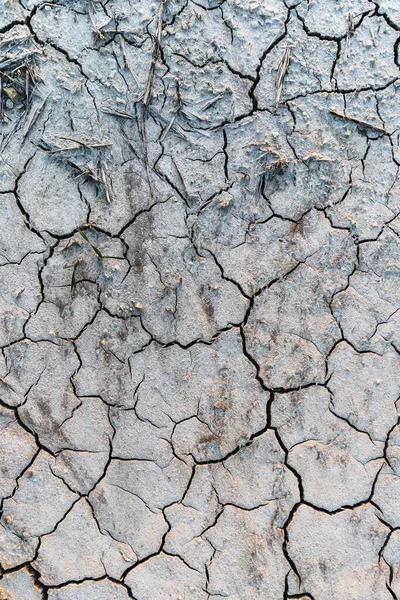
200 300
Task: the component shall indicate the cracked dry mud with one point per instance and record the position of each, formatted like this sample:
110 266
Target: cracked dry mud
200 300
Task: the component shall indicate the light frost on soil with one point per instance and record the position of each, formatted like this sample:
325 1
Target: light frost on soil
200 300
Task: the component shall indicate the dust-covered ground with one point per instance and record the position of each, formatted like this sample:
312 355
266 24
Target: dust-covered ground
200 300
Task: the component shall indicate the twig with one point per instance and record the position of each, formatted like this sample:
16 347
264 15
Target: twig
358 121
282 70
211 103
166 130
85 144
116 113
33 116
55 149
27 88
32 72
105 179
185 193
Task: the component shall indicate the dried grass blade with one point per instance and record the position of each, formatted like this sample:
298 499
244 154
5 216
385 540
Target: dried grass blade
282 70
33 115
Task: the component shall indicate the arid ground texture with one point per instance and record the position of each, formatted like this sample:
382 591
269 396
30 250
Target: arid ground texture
200 299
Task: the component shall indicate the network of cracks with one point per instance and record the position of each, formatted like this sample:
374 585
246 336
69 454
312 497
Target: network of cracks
200 300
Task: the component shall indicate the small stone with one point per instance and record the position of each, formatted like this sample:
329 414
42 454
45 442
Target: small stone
11 93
